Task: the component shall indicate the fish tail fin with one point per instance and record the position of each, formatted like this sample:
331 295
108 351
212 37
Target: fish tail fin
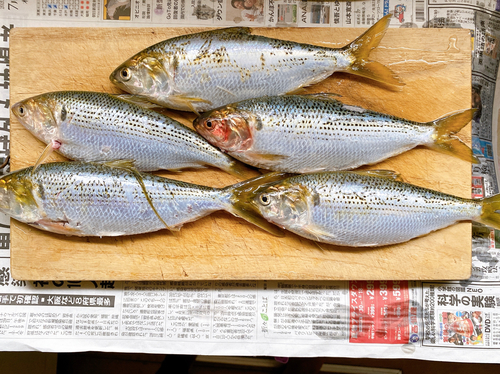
490 214
241 197
360 49
444 139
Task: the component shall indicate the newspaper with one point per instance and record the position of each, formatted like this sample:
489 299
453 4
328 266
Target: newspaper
391 319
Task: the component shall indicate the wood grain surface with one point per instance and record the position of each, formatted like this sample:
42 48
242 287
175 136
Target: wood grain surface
434 64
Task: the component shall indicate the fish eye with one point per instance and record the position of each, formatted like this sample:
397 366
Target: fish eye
125 74
265 199
209 124
21 110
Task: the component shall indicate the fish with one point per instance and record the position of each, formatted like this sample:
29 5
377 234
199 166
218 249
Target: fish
202 71
363 208
317 132
96 126
114 199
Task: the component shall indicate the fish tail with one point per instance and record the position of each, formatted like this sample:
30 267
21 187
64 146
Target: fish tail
360 48
490 214
241 197
444 139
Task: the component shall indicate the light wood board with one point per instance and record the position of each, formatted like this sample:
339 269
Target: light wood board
434 64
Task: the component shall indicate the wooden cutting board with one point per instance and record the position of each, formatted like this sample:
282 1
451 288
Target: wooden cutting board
434 64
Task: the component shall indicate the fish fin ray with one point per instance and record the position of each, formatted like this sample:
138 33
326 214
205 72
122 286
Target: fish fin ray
239 169
58 227
128 165
243 194
255 218
138 100
188 101
47 151
490 214
360 49
298 91
330 96
319 246
119 164
269 156
380 173
233 30
315 231
445 141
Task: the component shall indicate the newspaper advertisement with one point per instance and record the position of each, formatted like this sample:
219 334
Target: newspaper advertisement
390 319
461 315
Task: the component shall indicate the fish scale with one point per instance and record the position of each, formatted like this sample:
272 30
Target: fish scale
310 133
94 126
363 208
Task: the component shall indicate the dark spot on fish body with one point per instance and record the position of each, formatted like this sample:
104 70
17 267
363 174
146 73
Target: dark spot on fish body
259 124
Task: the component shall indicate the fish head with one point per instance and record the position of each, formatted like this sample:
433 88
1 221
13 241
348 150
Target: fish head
227 128
17 199
146 75
42 116
285 204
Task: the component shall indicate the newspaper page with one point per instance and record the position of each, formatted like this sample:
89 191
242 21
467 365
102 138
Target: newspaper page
391 319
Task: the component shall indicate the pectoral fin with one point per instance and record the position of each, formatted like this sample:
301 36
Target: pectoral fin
53 145
314 232
59 227
260 160
138 100
185 101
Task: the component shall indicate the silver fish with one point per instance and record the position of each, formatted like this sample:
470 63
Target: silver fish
368 208
202 71
311 133
95 126
112 199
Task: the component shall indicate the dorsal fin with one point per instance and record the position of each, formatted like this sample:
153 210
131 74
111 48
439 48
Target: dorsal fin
387 174
234 30
330 96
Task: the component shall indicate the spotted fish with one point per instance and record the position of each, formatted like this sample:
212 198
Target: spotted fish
365 208
202 71
311 133
96 126
112 199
